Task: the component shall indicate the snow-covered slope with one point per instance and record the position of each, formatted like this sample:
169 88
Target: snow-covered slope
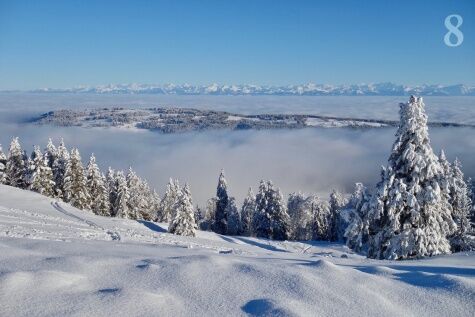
56 260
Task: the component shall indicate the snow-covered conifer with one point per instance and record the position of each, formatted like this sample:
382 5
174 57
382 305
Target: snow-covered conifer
59 169
411 216
16 165
209 216
121 206
301 216
165 211
337 202
322 225
271 219
183 222
97 189
357 232
247 213
462 239
75 182
3 166
233 218
41 179
50 153
111 184
220 221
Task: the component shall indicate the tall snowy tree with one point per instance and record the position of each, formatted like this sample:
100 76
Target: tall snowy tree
337 203
111 185
271 219
301 216
121 206
357 232
75 182
233 218
59 169
183 222
3 166
16 165
166 208
209 216
220 224
412 217
322 225
136 202
51 153
247 213
41 180
462 239
99 195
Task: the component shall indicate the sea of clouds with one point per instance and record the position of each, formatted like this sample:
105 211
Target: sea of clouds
309 160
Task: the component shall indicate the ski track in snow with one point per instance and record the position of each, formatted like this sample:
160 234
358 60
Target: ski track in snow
56 260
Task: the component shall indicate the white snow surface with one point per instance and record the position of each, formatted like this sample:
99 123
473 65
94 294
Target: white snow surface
56 260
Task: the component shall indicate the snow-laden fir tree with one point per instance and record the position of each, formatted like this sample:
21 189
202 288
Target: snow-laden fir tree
322 224
357 232
121 206
150 199
154 206
301 216
462 239
59 168
338 224
220 224
412 217
233 218
247 213
111 185
75 182
209 216
271 219
99 202
141 198
41 180
3 166
50 153
183 222
166 209
137 201
16 165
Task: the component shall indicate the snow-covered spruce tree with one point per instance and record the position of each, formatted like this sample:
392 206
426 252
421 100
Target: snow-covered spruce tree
75 182
150 199
3 166
357 232
41 179
166 208
59 169
233 218
111 183
121 206
412 217
337 203
462 239
209 216
97 189
16 165
137 201
271 219
321 228
301 216
51 153
183 222
247 213
220 224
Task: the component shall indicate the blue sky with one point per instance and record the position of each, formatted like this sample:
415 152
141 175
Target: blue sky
70 43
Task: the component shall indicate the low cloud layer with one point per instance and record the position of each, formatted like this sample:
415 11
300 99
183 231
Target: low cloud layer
310 160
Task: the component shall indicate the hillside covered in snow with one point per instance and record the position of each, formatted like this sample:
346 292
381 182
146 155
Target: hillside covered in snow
310 89
172 120
58 260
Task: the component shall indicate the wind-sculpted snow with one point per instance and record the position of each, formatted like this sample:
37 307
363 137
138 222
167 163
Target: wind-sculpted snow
310 89
56 260
172 120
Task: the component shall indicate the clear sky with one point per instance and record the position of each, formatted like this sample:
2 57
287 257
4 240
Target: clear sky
69 43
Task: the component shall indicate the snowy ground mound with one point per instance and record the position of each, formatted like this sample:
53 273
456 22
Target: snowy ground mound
56 260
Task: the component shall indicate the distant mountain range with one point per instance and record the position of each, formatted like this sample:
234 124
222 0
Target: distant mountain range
380 89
